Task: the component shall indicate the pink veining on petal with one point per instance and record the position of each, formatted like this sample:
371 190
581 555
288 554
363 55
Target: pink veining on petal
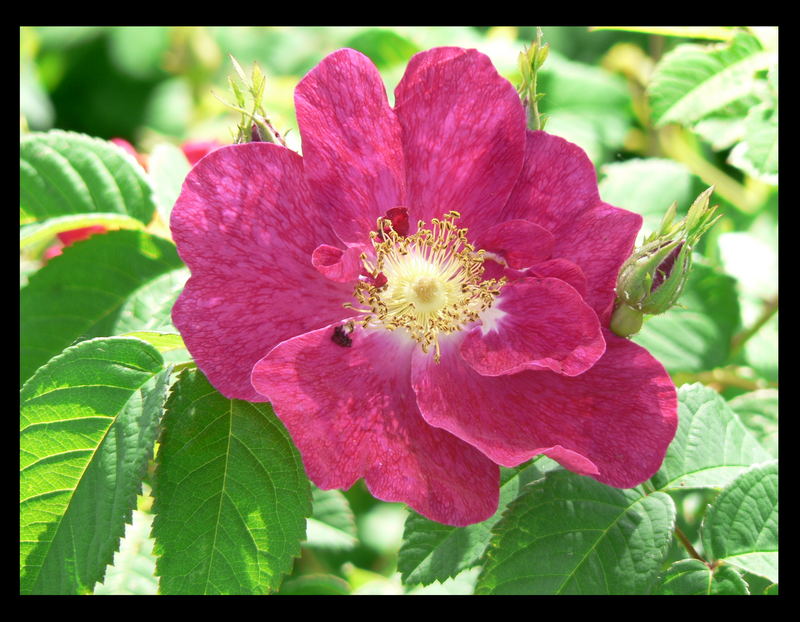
352 150
463 140
352 413
246 227
543 324
620 415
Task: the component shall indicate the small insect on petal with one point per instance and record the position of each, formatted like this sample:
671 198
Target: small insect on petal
341 335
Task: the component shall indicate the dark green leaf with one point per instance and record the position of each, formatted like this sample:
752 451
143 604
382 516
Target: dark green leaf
691 577
231 495
87 428
432 551
741 528
568 534
315 585
711 446
81 293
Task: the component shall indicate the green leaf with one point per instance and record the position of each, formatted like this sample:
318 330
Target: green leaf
647 187
150 306
65 173
741 527
717 33
168 168
757 154
693 81
163 342
758 411
691 577
231 495
87 428
81 292
463 584
432 551
315 585
696 337
568 534
711 446
331 525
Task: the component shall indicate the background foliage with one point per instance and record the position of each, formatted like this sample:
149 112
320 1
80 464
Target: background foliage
662 113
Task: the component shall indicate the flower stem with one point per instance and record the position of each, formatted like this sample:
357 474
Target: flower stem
688 546
770 308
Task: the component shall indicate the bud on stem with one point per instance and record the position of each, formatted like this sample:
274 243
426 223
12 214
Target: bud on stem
652 279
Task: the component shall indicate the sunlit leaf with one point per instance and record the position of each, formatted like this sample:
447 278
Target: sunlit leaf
231 495
331 524
716 33
65 173
87 427
568 534
692 81
741 528
81 293
711 446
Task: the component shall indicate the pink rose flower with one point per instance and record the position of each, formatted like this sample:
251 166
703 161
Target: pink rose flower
423 295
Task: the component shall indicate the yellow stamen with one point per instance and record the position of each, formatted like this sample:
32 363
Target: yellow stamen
433 281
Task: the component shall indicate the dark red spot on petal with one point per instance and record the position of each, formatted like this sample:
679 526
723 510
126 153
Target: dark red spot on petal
399 218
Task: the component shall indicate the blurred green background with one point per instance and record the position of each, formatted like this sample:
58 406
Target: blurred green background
145 84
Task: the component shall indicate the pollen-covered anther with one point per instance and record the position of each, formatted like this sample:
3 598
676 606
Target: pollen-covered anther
428 283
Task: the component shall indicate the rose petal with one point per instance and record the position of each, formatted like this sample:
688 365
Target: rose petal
520 242
336 264
558 190
463 136
246 227
613 422
564 270
351 143
351 412
541 324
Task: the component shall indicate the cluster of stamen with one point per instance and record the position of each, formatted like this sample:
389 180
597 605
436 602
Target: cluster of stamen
428 283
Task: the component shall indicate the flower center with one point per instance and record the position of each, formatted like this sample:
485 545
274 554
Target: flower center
428 283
